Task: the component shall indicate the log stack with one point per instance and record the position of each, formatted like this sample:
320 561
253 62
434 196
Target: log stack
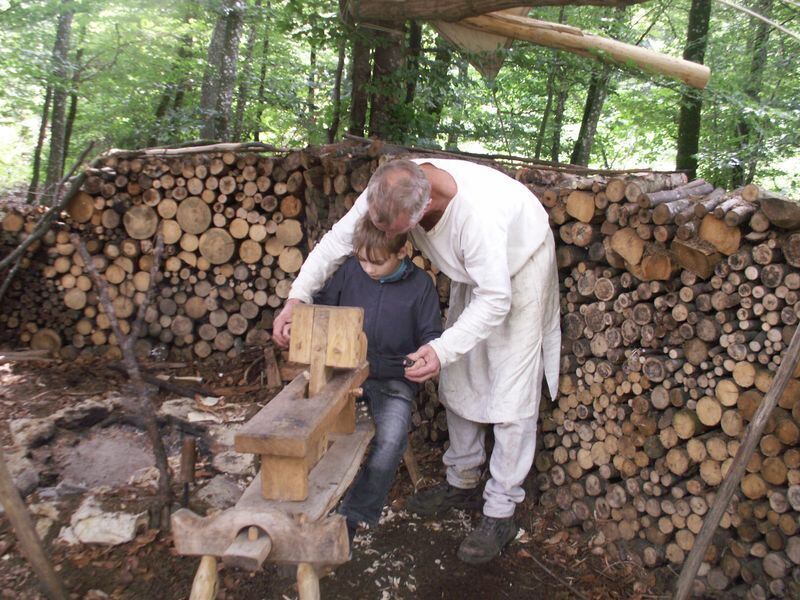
678 300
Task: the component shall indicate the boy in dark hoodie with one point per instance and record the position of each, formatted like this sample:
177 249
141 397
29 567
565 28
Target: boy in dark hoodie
401 313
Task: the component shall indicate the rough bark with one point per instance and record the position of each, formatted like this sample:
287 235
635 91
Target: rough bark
60 66
691 104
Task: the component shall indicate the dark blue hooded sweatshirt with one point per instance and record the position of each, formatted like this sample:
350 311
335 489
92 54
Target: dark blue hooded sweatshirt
399 315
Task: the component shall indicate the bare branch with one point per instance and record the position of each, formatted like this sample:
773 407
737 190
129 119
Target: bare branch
761 17
44 223
158 251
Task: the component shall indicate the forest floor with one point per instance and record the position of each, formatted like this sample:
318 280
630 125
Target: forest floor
404 557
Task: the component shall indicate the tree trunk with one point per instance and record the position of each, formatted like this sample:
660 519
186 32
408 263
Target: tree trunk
311 109
360 74
561 102
439 76
60 65
458 105
37 153
414 51
73 103
220 76
551 77
243 93
691 104
749 148
333 130
595 98
262 79
387 82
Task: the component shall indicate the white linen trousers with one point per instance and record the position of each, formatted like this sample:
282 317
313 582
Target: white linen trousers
499 382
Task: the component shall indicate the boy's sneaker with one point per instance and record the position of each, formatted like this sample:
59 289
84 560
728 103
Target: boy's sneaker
442 497
487 540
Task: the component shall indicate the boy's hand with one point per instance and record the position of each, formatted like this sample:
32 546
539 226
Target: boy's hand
282 326
426 365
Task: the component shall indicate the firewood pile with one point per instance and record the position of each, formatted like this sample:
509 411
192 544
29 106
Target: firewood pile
677 301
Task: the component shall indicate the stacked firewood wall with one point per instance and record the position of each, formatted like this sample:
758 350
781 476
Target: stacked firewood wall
234 233
678 300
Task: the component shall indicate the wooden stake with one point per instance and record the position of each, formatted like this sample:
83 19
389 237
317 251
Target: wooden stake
307 582
752 436
204 586
26 534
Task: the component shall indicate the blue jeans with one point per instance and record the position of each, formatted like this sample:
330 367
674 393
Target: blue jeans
389 402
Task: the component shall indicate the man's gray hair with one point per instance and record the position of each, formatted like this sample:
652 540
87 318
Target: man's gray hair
398 187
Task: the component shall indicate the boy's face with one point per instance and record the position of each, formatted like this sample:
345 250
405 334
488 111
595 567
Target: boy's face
383 266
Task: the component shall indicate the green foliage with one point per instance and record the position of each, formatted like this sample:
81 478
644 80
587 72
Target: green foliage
140 55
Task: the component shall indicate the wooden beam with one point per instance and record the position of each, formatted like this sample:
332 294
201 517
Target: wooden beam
454 10
571 39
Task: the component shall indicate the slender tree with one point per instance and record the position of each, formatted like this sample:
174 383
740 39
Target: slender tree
61 73
220 76
336 117
691 104
555 61
387 85
744 169
359 77
243 92
72 112
37 153
261 95
592 109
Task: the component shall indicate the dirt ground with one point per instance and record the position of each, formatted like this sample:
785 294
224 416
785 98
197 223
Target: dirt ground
404 557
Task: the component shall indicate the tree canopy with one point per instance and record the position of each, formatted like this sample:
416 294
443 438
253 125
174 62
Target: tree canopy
139 73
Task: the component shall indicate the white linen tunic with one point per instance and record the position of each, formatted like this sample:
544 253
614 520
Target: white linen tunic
494 242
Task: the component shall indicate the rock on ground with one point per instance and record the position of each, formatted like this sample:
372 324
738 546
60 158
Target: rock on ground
221 492
90 524
31 432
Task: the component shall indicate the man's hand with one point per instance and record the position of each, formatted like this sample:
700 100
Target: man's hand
426 365
282 325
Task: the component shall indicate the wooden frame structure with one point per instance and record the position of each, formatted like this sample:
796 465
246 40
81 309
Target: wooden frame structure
311 448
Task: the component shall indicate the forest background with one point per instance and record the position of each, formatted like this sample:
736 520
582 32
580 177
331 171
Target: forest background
140 73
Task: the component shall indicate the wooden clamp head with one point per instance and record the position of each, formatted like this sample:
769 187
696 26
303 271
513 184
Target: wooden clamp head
327 337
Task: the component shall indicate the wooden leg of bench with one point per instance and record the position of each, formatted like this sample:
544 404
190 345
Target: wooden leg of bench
307 582
411 464
204 586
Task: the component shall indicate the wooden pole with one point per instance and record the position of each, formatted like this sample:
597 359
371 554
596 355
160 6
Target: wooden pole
206 582
576 41
26 535
751 438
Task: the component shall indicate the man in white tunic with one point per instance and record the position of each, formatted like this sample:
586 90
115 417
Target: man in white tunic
490 235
